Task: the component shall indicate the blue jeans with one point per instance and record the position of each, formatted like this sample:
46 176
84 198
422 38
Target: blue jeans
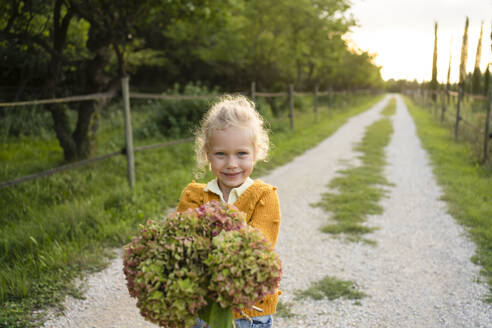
265 321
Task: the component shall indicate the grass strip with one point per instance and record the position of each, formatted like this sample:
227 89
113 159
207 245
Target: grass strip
56 229
284 310
357 191
331 288
466 185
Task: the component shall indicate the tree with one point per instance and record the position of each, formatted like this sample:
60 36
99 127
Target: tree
44 27
464 55
277 42
448 79
357 71
477 75
110 29
433 83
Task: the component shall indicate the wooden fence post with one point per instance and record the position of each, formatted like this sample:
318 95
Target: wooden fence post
444 98
253 91
316 102
458 118
487 126
331 99
291 105
130 164
436 105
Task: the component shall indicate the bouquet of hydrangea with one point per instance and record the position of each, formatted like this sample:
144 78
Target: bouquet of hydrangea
203 262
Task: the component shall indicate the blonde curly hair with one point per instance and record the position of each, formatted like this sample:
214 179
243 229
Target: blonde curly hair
230 111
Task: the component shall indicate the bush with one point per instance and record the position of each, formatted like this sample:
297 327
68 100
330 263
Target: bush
16 122
177 118
303 103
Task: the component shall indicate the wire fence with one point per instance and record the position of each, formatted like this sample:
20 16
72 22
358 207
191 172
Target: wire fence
95 96
345 97
469 116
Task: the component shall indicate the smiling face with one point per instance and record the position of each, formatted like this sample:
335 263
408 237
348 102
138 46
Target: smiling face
231 155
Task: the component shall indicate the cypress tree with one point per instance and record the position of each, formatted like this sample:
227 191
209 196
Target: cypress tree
477 75
461 84
433 84
448 81
464 54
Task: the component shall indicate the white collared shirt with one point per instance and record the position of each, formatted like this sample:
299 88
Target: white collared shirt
213 186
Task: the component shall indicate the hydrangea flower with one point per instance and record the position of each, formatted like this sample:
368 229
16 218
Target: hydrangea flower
244 268
180 265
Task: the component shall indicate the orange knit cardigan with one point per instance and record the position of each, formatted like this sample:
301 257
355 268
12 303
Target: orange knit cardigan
260 203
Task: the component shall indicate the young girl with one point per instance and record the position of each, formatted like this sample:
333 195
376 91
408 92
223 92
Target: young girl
231 139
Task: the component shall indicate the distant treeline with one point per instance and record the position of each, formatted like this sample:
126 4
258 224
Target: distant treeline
78 46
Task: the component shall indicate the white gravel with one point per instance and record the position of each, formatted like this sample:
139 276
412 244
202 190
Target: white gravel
419 273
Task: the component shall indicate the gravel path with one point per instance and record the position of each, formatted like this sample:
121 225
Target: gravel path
418 274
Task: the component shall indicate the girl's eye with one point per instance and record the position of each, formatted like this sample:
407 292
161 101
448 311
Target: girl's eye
219 153
243 153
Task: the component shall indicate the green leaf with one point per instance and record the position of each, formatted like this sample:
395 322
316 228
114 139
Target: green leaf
156 295
216 316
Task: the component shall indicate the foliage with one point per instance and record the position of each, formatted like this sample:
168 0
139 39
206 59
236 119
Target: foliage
357 71
264 41
176 266
464 53
227 43
433 83
82 43
392 85
177 118
476 82
477 76
20 122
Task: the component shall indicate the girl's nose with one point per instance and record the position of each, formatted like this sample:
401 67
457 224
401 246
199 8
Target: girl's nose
231 162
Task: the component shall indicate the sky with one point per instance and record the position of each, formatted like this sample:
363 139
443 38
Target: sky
401 34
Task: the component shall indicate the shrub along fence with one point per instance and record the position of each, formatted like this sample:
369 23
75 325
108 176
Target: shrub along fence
468 115
345 98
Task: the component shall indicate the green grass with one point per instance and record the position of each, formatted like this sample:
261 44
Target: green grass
357 191
467 186
331 288
58 228
473 115
284 310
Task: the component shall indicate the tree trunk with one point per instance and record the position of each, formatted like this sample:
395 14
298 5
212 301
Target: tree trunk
61 126
81 136
79 144
96 81
58 112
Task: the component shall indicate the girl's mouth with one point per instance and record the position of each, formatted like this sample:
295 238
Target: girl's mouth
231 175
